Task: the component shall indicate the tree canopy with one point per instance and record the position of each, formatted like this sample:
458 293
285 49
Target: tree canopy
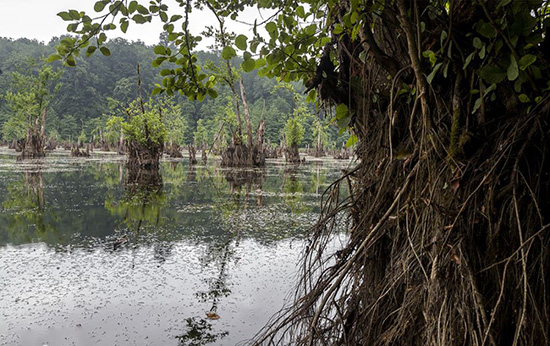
98 88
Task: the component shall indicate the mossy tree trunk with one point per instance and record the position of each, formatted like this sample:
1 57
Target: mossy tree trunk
35 141
449 201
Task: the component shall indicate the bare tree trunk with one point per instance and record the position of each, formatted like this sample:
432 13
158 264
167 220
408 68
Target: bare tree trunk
192 154
247 119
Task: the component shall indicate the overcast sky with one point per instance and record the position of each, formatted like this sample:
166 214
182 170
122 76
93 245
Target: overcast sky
37 19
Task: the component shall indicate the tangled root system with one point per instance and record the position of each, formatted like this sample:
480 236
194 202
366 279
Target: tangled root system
450 235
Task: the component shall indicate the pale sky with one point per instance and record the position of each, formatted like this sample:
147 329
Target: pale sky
37 19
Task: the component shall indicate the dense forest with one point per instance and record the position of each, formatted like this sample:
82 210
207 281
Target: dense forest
84 98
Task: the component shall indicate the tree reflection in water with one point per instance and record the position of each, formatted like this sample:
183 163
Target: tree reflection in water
199 333
141 204
221 254
27 219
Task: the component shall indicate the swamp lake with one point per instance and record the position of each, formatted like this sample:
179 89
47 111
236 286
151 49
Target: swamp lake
205 256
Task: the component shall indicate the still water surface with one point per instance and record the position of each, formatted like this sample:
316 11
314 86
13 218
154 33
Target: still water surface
89 259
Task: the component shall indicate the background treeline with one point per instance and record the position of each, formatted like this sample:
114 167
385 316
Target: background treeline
85 97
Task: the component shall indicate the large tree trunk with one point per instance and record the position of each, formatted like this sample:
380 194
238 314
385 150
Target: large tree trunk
292 155
34 146
247 120
449 201
239 154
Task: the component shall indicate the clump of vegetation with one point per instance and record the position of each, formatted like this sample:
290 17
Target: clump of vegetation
144 134
294 134
29 98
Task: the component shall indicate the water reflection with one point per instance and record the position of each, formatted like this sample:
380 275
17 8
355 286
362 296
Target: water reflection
25 201
188 255
141 204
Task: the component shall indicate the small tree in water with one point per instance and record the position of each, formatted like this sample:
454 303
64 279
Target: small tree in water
29 98
294 135
144 135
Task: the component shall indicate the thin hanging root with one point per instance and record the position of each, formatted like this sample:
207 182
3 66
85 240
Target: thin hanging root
339 276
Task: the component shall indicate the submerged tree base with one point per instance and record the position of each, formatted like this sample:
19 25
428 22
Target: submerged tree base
144 157
292 155
240 156
33 147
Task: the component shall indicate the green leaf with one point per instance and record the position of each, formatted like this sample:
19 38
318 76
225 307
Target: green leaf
228 53
526 61
175 17
492 74
248 65
132 7
138 18
72 27
477 43
477 104
486 30
352 140
240 42
99 6
271 27
142 9
430 55
158 61
163 16
300 12
70 61
524 98
468 59
311 29
53 58
342 111
65 16
75 15
482 52
212 93
90 50
260 63
105 51
160 50
156 91
513 70
124 26
433 73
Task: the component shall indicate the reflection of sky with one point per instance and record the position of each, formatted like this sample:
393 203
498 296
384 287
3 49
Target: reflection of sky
130 298
66 284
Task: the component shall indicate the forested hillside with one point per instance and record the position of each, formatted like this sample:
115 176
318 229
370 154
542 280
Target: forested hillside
84 97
